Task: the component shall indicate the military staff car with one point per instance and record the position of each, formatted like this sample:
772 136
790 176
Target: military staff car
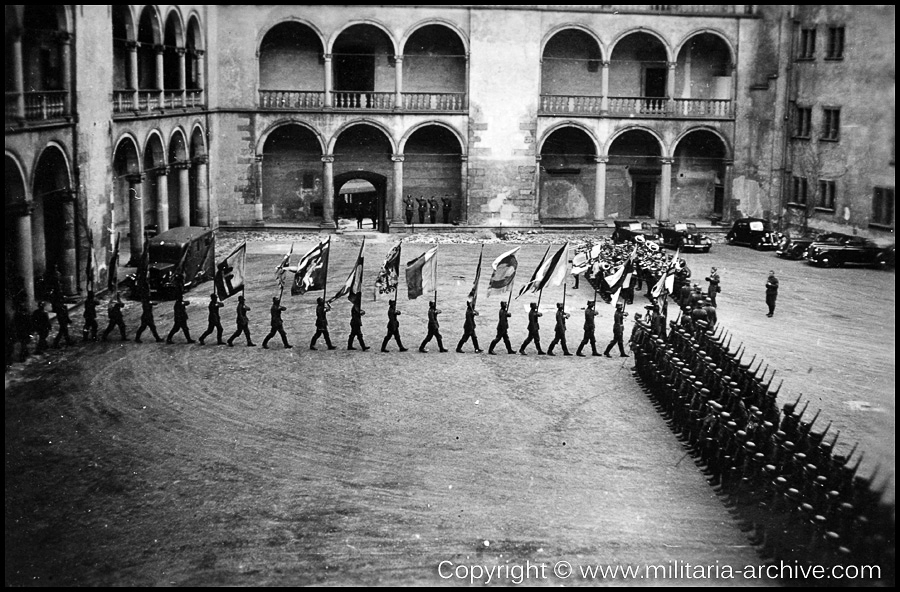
684 236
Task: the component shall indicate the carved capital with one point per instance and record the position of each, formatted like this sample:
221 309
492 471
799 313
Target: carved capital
201 160
180 51
135 178
158 48
666 160
63 37
601 159
131 45
398 158
258 158
181 165
199 52
328 159
162 171
672 65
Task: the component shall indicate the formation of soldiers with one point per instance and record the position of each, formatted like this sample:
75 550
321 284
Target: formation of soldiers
427 208
799 499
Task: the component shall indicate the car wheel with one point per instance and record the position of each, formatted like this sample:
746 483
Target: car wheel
707 249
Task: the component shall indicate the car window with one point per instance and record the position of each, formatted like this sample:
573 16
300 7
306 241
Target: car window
634 226
757 226
680 227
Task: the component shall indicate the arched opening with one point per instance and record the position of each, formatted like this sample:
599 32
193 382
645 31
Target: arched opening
148 39
173 45
638 76
154 195
698 176
179 182
570 74
703 82
126 181
292 185
363 66
568 176
199 187
357 199
433 170
17 264
193 66
633 175
123 36
291 68
434 70
53 225
44 62
364 152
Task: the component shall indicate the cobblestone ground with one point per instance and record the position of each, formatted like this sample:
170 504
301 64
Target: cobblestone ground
156 465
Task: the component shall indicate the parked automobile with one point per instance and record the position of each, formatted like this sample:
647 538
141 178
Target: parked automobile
634 231
684 236
796 248
182 258
848 250
752 232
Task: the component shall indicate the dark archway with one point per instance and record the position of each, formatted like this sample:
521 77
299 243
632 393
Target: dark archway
568 176
570 74
633 175
53 224
360 196
698 176
433 169
126 169
364 76
364 152
292 185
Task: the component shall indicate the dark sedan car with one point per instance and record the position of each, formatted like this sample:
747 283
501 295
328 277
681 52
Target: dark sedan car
753 232
634 231
684 236
796 248
849 250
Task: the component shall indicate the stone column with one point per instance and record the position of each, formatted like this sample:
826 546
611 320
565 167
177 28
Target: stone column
728 189
666 188
397 205
604 86
464 186
201 75
65 49
600 189
670 87
162 199
398 82
537 189
132 47
160 78
182 74
202 190
328 191
19 88
184 192
24 256
67 268
135 216
328 97
258 169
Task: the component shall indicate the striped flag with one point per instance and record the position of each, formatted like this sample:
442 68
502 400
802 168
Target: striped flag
504 268
312 271
534 276
230 273
625 280
353 285
555 273
284 267
421 274
473 293
667 281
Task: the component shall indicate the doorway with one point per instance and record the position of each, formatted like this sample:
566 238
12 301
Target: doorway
359 201
643 197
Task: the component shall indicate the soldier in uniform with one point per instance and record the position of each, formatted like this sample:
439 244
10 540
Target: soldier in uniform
277 324
410 208
448 206
114 311
771 292
618 331
432 209
560 331
589 314
714 287
322 309
469 329
90 318
433 329
40 323
534 331
502 331
215 322
356 315
243 324
711 316
62 317
393 327
147 321
423 208
181 319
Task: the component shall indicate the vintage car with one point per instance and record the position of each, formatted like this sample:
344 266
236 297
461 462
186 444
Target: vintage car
848 250
179 259
684 236
795 248
753 232
634 231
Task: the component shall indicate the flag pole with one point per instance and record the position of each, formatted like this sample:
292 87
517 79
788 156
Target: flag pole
435 276
325 281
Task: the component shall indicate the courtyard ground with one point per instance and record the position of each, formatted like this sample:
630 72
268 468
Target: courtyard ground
160 464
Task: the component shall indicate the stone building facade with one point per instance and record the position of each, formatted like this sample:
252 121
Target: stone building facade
126 119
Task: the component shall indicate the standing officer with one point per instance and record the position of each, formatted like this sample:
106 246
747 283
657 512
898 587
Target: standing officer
432 209
147 321
214 321
243 324
469 329
448 207
62 317
277 324
589 314
356 315
90 318
714 287
409 209
534 330
711 316
618 331
181 319
322 309
560 331
114 311
40 323
433 329
423 207
393 327
771 292
502 331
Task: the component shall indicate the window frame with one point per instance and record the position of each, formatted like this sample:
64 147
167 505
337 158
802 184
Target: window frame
799 199
806 50
833 53
827 195
802 122
882 208
831 124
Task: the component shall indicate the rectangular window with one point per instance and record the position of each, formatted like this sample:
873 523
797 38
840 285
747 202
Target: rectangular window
807 49
883 206
831 124
826 194
800 191
835 43
802 119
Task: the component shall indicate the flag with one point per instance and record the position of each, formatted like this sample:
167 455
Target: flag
312 271
230 273
389 276
667 280
504 268
353 285
421 274
112 281
584 260
624 280
473 293
530 284
283 267
555 272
